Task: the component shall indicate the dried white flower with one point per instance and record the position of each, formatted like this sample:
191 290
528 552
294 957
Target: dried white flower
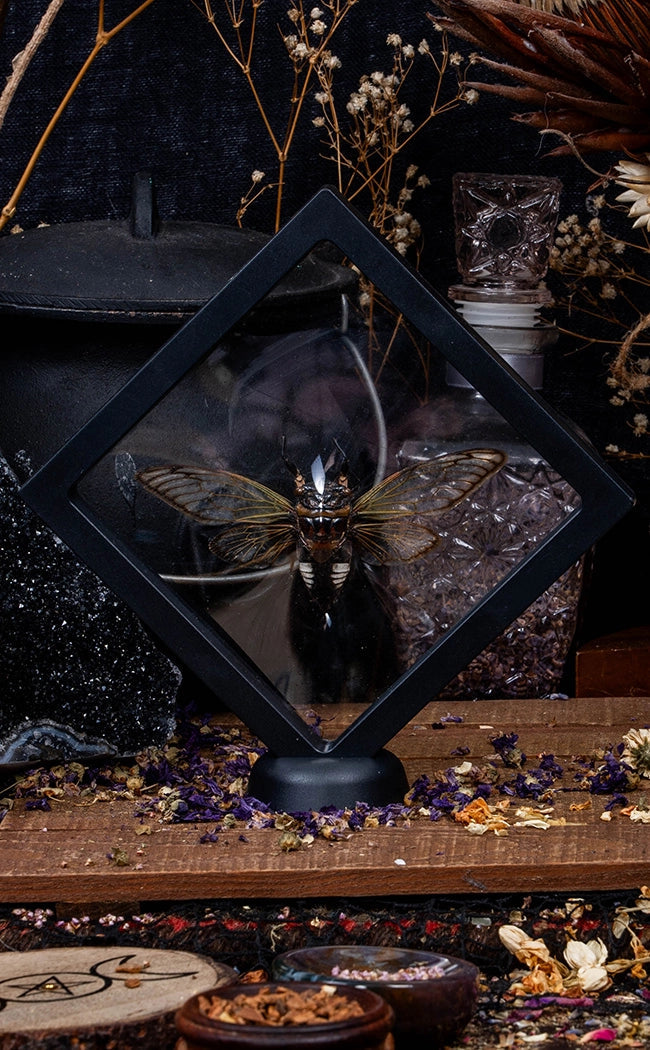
526 949
588 960
357 103
423 47
394 40
315 13
330 61
637 742
257 176
318 27
589 953
635 177
470 96
301 50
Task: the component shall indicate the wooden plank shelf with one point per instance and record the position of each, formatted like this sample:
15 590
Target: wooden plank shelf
63 855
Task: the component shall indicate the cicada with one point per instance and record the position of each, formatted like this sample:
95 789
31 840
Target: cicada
326 525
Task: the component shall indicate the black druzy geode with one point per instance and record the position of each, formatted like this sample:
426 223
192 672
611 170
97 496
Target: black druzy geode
81 677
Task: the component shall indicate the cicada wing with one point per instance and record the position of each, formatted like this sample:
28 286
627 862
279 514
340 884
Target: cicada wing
391 520
448 479
393 539
214 497
256 522
253 544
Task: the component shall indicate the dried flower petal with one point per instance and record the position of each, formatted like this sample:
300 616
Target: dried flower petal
637 741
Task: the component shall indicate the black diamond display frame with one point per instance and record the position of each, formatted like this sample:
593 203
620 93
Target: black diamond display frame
302 770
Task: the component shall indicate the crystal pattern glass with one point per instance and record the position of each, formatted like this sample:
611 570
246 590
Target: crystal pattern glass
480 541
504 229
504 224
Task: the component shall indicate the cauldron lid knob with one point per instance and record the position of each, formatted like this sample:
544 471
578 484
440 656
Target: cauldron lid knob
144 221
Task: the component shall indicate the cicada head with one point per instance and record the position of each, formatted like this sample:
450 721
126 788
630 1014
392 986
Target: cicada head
326 488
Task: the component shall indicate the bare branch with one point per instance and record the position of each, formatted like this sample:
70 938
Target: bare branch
23 59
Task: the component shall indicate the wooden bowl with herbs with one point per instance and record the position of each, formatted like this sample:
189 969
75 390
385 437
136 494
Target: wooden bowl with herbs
292 1015
433 996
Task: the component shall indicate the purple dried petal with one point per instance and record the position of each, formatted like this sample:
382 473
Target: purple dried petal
611 777
549 765
506 746
38 803
616 800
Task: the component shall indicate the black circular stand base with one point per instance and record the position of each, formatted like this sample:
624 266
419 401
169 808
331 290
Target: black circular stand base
295 784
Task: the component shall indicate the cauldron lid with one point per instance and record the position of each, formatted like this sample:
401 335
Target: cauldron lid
142 270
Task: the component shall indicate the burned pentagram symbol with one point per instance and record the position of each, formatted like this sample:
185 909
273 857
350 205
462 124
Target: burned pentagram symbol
52 989
48 987
64 985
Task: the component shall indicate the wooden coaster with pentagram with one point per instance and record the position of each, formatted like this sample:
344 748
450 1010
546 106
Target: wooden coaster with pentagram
95 998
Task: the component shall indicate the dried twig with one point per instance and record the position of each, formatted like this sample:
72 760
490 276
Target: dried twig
22 60
102 39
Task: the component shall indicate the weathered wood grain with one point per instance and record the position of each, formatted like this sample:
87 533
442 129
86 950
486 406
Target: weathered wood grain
65 854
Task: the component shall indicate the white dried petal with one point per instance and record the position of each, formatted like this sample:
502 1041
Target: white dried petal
593 978
585 953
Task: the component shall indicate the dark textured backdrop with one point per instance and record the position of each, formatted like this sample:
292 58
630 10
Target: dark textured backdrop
163 96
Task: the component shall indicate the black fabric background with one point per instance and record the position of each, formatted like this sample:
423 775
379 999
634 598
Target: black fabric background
163 97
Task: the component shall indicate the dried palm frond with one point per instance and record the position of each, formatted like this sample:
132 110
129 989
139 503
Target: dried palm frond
585 72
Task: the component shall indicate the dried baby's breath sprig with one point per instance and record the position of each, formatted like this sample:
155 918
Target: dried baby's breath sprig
256 189
368 142
604 280
379 126
366 135
306 35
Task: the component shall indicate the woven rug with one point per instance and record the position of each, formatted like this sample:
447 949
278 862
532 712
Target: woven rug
248 935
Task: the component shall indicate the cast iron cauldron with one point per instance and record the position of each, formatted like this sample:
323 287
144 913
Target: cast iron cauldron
84 305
